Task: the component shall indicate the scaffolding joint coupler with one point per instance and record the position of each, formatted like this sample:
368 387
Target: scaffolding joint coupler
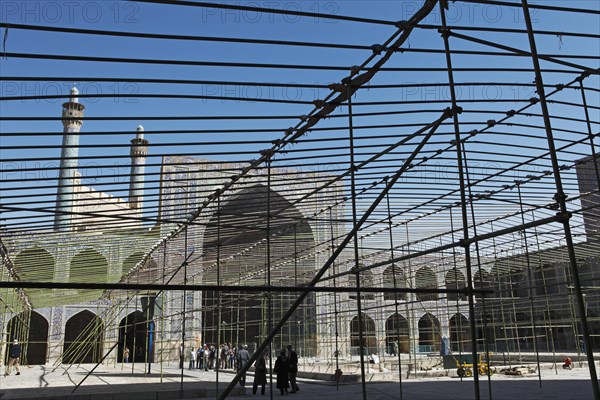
378 49
560 197
402 24
563 216
444 32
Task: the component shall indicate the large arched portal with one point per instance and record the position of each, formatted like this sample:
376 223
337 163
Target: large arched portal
35 331
137 334
83 339
236 252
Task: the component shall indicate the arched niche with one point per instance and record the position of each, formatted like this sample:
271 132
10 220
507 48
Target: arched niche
460 333
482 280
425 279
32 332
369 344
367 280
35 265
429 334
394 277
455 280
150 272
397 334
130 262
88 266
137 333
83 339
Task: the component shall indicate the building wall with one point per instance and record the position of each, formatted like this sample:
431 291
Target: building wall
587 178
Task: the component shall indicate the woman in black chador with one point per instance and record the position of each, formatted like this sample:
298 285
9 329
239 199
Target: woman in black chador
282 368
260 374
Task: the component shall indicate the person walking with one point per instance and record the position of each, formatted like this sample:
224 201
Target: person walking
14 354
192 358
231 357
282 371
293 362
126 354
243 357
260 374
395 349
205 358
199 357
181 356
212 359
224 351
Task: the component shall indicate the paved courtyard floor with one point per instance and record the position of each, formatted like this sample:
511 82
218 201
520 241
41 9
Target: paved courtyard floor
39 382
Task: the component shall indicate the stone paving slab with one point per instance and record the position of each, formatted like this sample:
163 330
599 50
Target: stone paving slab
114 383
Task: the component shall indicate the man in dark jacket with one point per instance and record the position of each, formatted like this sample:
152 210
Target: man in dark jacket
200 357
242 358
14 354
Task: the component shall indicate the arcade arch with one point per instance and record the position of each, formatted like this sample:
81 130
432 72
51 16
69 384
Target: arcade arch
429 334
83 338
394 276
455 280
369 343
32 331
397 330
425 279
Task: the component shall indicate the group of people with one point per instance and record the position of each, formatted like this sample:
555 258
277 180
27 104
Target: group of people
229 357
207 357
286 368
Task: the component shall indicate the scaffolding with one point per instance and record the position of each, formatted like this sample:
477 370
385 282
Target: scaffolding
392 219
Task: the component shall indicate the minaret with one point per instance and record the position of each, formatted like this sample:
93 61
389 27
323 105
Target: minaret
72 119
139 151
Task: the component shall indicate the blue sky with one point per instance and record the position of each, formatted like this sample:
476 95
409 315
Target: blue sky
140 17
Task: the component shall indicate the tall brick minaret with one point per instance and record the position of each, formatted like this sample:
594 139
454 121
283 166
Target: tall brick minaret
72 119
139 151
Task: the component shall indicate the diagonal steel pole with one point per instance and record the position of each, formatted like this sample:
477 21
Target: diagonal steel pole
407 163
